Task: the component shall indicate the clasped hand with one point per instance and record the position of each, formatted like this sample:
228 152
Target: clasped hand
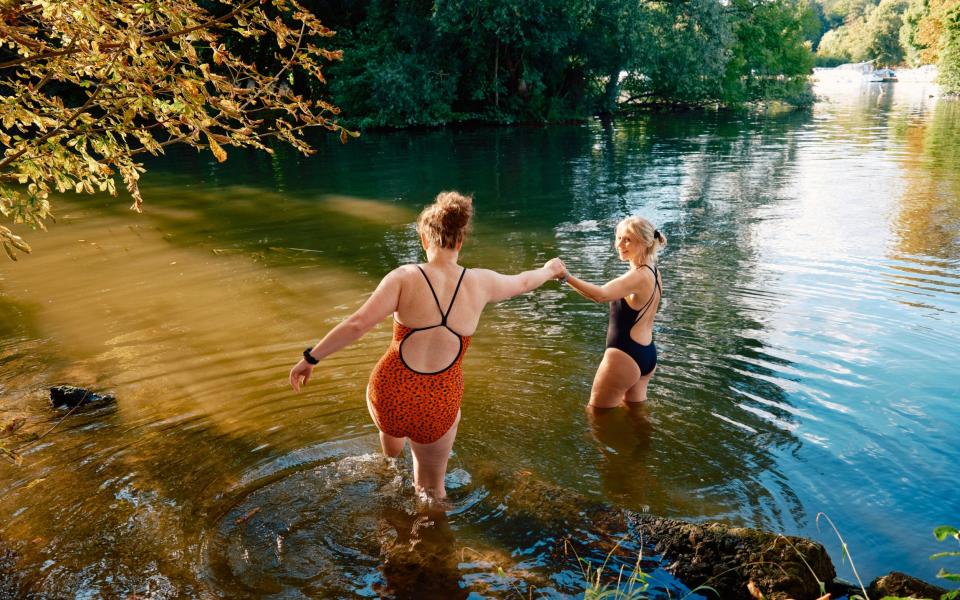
556 267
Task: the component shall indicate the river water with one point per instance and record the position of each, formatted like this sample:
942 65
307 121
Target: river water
807 337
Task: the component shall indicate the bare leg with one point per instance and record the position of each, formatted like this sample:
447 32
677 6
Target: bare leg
392 446
430 462
617 374
638 393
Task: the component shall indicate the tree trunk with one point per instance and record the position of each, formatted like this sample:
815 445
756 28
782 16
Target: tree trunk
611 93
496 69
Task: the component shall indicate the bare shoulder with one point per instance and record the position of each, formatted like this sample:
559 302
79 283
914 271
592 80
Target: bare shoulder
491 286
644 278
399 276
483 278
404 271
482 275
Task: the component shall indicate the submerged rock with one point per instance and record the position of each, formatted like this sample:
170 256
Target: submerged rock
723 557
70 396
903 586
9 578
728 559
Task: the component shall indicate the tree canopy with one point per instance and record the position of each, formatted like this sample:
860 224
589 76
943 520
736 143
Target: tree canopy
89 86
414 62
893 32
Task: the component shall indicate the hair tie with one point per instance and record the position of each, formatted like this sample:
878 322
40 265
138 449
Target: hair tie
656 234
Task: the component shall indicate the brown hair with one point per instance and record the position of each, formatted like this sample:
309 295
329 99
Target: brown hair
646 235
445 222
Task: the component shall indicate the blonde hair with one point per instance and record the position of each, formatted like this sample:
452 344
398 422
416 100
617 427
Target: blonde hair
649 237
445 222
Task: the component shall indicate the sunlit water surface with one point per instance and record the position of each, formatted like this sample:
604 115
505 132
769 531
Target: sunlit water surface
807 343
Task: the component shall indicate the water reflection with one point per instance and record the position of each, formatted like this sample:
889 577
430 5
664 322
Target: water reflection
624 438
422 560
928 207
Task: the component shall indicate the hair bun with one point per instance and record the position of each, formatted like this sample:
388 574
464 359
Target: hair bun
455 210
446 221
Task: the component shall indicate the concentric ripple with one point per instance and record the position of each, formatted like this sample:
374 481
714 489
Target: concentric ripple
331 525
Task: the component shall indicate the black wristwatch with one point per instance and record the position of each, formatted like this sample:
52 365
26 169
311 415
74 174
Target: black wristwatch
310 359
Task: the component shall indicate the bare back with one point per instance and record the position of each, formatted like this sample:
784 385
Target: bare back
417 308
645 299
443 303
439 304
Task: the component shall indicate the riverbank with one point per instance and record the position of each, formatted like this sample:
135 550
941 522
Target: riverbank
803 100
857 74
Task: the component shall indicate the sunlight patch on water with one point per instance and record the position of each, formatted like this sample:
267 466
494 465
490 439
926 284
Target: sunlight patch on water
377 211
742 426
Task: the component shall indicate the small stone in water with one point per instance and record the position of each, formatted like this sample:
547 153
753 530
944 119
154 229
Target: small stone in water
70 396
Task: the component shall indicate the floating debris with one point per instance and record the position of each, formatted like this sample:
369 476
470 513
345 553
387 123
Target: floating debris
247 515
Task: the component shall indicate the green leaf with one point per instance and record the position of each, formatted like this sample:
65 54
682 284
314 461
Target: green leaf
943 574
942 554
944 531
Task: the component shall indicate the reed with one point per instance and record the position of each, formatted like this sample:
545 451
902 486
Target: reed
634 587
942 533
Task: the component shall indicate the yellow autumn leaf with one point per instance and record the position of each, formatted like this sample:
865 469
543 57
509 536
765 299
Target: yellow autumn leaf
218 152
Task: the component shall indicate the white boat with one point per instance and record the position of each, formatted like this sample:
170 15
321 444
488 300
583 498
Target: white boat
881 76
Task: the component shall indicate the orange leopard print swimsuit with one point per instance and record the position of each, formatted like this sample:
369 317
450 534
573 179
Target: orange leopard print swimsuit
410 403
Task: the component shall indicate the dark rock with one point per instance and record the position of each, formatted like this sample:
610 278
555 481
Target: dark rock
723 557
842 587
9 577
903 586
70 396
728 558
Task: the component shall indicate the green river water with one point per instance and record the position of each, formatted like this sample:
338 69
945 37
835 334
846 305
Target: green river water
807 339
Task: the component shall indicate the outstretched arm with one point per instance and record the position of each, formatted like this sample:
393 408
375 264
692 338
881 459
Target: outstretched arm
501 287
381 304
612 290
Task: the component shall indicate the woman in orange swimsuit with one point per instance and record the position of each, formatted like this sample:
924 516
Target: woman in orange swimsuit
416 389
631 356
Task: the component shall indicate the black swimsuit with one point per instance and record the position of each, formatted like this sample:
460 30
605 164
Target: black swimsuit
622 320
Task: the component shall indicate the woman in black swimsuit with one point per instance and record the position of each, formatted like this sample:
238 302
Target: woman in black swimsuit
631 356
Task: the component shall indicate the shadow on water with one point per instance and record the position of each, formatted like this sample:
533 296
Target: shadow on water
118 514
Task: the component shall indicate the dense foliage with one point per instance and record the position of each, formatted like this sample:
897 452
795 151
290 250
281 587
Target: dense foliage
950 53
891 32
413 62
88 85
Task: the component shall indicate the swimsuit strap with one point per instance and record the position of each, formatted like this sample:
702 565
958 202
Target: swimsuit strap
435 299
455 292
443 321
656 288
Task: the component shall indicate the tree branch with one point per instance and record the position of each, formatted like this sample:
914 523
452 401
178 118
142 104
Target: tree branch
59 129
114 46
